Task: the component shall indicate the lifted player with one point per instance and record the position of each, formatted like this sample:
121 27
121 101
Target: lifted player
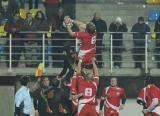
88 38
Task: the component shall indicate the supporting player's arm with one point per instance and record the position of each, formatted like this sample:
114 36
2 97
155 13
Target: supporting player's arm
77 96
95 69
153 105
141 102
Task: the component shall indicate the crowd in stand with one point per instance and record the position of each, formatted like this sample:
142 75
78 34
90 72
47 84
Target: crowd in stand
52 20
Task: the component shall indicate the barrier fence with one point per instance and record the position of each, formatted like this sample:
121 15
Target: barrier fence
31 48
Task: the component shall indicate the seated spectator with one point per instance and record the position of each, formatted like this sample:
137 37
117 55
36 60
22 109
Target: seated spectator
31 41
117 26
40 22
8 8
157 29
14 26
101 26
21 3
59 20
69 7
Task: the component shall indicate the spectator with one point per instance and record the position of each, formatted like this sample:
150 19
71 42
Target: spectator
157 29
119 27
101 26
49 99
112 100
69 7
23 99
8 8
31 40
40 22
51 7
139 29
21 3
59 20
14 26
35 3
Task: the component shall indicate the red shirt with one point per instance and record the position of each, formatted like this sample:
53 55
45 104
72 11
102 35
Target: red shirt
152 92
89 88
88 40
113 95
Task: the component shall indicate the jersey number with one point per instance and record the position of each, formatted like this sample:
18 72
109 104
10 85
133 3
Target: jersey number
93 40
88 92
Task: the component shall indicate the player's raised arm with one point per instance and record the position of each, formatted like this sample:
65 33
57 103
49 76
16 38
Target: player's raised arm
68 24
81 25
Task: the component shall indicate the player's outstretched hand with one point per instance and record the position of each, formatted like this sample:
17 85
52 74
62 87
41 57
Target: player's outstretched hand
67 19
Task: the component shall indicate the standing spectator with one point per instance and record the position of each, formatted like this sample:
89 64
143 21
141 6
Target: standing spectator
149 97
51 7
112 96
101 26
139 29
23 99
33 4
69 7
8 8
157 49
84 89
14 26
119 27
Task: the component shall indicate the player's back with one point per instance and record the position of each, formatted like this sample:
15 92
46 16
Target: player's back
88 40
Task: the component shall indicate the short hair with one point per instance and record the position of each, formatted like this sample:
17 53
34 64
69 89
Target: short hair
90 28
149 80
24 80
140 18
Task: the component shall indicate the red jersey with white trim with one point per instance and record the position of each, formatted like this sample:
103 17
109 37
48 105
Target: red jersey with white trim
89 88
73 88
142 94
152 91
113 95
88 40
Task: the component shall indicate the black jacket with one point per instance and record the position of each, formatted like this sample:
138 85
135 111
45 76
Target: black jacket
139 38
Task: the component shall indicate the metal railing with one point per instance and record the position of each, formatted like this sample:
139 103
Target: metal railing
47 56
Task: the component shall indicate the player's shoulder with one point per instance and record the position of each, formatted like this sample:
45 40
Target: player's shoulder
120 88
